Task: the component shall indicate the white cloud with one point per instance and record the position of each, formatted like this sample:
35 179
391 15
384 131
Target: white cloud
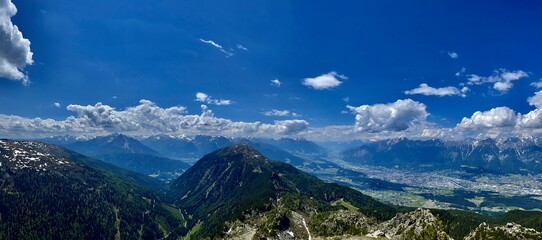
15 53
504 117
286 127
501 79
346 99
276 83
217 46
537 85
396 116
453 55
325 81
213 43
56 104
280 113
241 47
495 118
536 100
426 90
204 98
143 119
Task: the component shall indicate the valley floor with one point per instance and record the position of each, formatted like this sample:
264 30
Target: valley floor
445 189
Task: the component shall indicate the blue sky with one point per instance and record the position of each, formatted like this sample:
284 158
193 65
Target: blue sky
472 56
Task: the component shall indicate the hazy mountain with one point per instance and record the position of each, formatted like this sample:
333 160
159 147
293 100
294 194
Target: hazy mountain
512 155
184 147
47 192
297 146
129 153
114 143
196 147
162 168
62 140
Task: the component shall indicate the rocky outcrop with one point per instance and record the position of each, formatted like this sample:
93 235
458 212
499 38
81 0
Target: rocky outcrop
508 232
419 224
339 223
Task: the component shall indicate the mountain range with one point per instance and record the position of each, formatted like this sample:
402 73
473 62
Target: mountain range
503 155
48 192
166 157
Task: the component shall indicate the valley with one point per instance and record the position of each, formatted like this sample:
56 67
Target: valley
448 189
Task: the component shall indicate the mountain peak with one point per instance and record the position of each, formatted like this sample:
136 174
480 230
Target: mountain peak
244 151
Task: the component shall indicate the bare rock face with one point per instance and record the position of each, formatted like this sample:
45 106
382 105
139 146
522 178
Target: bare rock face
508 232
419 224
340 223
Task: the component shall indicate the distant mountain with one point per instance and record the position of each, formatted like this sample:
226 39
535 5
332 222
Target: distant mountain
511 155
195 147
296 146
129 153
226 185
186 148
162 168
47 192
115 143
62 140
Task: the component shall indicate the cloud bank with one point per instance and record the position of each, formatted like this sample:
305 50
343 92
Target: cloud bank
144 119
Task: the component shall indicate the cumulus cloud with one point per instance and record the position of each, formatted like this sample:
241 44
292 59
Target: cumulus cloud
504 117
501 79
15 53
536 100
143 119
204 98
276 83
426 90
325 81
280 113
217 46
396 116
453 55
494 118
56 104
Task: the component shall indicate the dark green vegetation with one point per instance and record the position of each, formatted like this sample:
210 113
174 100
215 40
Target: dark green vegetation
232 180
491 199
49 193
459 223
512 155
